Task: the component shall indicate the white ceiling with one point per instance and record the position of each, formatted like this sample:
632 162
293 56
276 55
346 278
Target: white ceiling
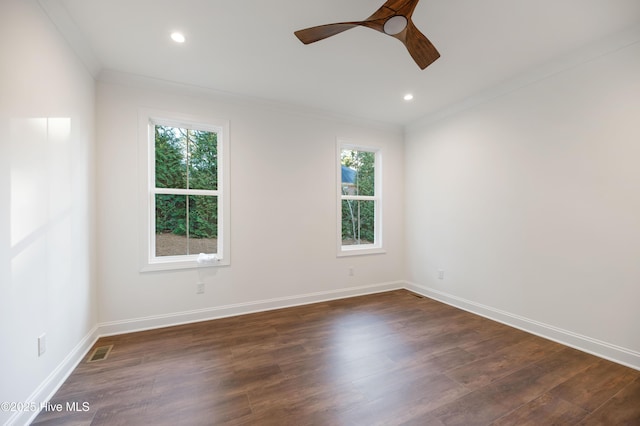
247 47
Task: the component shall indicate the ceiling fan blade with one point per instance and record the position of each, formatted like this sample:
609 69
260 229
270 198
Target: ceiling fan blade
313 34
420 48
375 21
395 7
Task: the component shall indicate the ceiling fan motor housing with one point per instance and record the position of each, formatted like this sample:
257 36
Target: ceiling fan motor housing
395 25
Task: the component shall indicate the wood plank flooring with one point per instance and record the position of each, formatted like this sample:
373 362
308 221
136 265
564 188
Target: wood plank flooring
385 359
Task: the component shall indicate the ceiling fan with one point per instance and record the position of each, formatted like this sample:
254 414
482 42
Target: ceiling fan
393 19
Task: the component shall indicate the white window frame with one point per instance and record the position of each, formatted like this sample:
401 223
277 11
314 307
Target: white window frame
148 119
360 249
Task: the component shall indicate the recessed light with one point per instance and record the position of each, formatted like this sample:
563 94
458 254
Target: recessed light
408 97
178 37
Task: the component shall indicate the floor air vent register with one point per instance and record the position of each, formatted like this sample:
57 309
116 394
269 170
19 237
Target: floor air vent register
100 353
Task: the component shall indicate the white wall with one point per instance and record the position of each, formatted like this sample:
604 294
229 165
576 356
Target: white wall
283 209
530 203
47 269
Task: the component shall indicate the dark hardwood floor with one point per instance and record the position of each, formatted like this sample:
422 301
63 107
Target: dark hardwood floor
386 359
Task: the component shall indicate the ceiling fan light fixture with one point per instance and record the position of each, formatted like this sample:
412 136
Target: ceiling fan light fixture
395 25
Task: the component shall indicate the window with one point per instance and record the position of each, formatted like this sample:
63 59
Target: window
186 208
359 192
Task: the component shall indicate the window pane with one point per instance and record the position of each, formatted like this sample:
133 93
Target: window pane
203 224
358 218
171 157
203 160
171 225
358 172
179 234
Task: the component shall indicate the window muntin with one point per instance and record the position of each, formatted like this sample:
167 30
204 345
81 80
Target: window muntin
359 199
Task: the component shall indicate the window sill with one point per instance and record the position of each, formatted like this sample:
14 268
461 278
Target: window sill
360 251
190 263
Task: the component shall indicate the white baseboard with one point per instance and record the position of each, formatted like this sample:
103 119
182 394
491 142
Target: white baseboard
587 344
52 383
168 320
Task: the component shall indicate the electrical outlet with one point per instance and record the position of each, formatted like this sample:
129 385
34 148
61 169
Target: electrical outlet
42 344
441 274
200 288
